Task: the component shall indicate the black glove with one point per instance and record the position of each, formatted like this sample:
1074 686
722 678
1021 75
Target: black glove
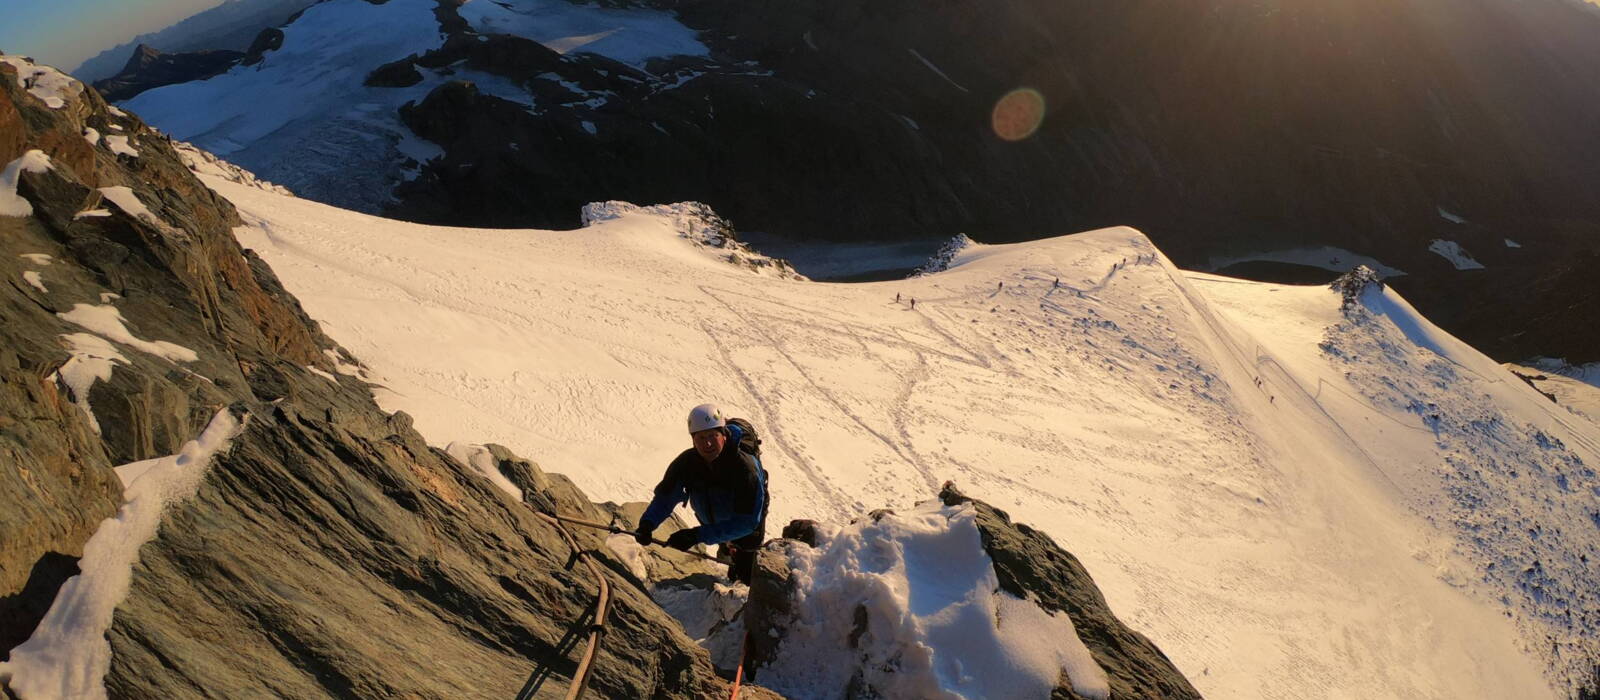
642 536
684 539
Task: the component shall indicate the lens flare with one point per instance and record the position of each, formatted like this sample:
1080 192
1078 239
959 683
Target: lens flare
1017 115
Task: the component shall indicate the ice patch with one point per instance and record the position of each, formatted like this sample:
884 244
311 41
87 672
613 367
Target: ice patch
1447 216
120 146
92 360
631 36
91 135
339 365
37 258
107 297
1512 244
108 322
322 374
630 553
130 203
12 204
51 86
1452 251
589 127
91 214
33 278
936 623
68 655
479 458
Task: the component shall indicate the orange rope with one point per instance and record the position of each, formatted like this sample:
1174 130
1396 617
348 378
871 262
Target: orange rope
738 675
580 678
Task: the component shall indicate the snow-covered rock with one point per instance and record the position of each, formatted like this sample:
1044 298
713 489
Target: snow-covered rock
946 254
947 599
697 223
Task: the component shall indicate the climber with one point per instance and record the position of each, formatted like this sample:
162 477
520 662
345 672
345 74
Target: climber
722 479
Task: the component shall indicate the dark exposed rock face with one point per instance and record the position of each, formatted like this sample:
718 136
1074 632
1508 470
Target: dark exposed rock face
330 551
401 73
149 68
270 39
1028 565
1217 127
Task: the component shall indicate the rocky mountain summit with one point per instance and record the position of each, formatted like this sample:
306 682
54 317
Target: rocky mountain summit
313 545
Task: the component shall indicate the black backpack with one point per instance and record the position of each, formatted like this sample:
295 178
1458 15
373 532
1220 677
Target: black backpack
748 440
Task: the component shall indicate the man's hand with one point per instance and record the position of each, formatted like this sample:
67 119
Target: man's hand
642 536
683 539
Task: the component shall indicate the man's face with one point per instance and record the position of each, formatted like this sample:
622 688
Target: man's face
709 443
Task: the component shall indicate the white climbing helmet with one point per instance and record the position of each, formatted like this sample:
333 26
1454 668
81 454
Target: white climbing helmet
705 417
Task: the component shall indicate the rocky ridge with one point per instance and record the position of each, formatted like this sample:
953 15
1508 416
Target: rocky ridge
330 545
149 68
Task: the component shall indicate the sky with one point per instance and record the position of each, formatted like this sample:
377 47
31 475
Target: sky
65 33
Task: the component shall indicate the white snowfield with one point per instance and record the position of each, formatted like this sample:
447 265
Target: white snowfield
1290 504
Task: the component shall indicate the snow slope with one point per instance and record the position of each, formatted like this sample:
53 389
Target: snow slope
1307 536
302 117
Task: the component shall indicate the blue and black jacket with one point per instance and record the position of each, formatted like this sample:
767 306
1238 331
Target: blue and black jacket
728 496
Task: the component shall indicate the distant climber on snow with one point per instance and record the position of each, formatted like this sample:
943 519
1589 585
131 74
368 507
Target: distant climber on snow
722 479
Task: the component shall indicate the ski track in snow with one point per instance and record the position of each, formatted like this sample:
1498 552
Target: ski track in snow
1268 536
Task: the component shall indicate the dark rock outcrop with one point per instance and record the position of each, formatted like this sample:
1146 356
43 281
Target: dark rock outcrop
401 73
149 68
329 551
269 39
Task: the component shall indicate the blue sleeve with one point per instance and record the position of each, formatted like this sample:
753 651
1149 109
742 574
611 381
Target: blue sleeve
669 494
743 521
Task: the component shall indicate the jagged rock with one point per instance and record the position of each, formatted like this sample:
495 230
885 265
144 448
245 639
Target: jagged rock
401 73
148 68
770 605
1030 565
944 256
1352 285
330 546
270 39
801 531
